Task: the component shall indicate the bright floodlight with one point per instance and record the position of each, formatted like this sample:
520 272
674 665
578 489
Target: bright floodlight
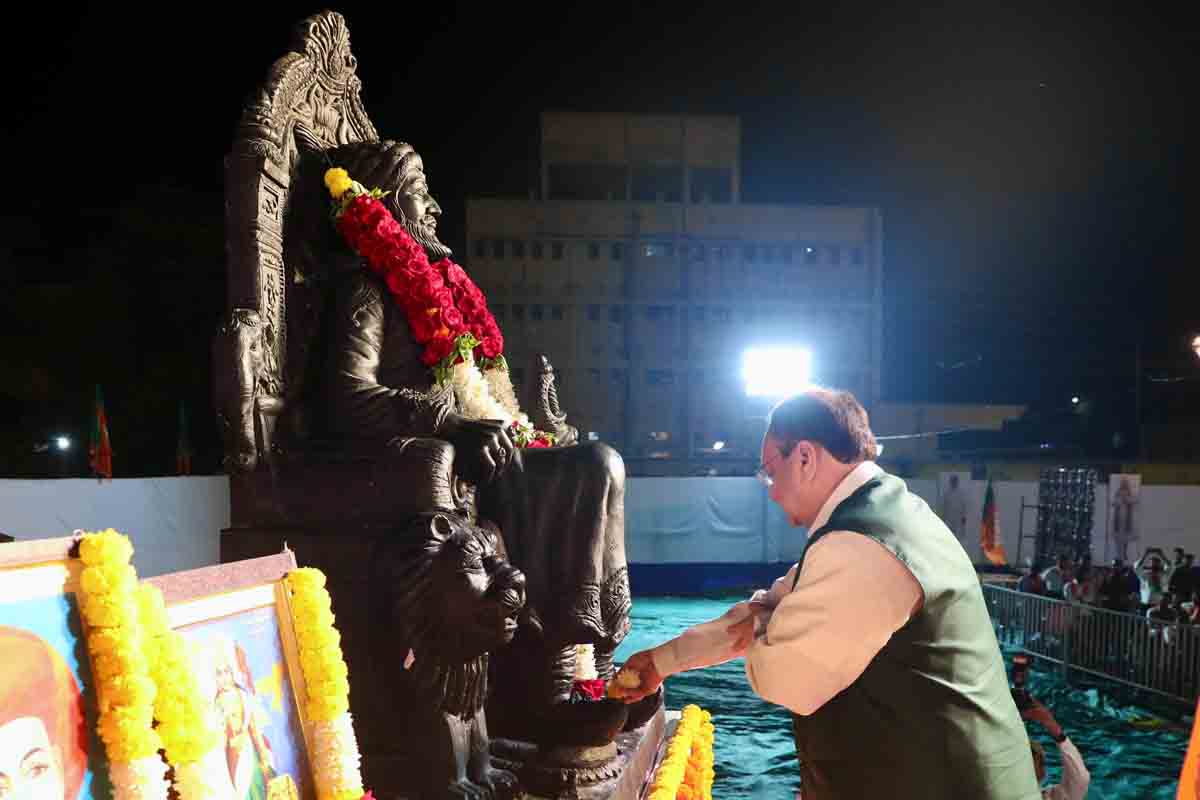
1075 401
776 371
63 443
1196 346
718 445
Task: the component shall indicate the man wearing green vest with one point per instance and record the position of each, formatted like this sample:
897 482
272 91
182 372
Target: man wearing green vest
878 641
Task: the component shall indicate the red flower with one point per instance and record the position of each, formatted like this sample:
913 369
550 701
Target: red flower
440 301
593 689
436 350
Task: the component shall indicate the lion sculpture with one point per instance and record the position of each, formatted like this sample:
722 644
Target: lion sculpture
448 596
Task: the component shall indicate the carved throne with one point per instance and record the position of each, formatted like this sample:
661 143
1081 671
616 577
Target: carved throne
286 485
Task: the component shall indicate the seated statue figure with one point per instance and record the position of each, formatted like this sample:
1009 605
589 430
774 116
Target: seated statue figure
560 510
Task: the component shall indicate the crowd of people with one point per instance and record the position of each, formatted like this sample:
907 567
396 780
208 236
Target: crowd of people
1165 589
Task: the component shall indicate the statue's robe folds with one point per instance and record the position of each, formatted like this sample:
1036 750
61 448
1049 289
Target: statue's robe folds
560 510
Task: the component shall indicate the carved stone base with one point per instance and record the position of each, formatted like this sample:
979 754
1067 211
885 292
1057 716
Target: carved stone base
614 772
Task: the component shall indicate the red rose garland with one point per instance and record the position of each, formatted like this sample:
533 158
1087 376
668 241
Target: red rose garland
446 311
443 305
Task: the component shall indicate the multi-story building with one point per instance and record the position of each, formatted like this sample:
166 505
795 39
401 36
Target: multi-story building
644 276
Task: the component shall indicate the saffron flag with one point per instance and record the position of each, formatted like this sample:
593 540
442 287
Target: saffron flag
1189 778
183 448
100 449
989 533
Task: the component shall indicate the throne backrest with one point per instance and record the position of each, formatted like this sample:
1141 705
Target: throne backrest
309 103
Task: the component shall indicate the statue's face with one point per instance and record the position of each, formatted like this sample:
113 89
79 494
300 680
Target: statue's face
418 206
419 213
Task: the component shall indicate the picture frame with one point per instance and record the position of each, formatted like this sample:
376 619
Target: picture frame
238 623
48 699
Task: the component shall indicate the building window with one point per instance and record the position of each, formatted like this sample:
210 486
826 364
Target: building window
616 314
722 253
556 251
593 313
856 256
498 248
593 251
719 314
518 249
835 255
656 313
616 375
618 252
660 377
810 254
538 250
657 184
518 312
658 250
536 312
711 185
556 313
480 248
699 253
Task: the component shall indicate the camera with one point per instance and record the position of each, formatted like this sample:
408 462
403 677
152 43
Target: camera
1021 695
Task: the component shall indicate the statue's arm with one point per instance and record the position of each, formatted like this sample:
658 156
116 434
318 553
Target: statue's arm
359 404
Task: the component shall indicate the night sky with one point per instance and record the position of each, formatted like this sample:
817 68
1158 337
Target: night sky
1028 166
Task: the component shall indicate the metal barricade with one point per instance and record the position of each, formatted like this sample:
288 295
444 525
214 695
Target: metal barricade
1127 648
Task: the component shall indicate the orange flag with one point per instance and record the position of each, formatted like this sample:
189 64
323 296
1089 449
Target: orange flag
1189 778
989 534
100 449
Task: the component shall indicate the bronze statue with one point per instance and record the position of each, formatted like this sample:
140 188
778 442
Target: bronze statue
559 510
337 438
452 600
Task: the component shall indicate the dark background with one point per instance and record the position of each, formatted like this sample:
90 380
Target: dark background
1029 166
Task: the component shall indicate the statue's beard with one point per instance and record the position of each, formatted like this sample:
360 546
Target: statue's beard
427 239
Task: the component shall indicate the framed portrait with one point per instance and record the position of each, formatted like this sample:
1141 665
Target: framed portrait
237 621
48 743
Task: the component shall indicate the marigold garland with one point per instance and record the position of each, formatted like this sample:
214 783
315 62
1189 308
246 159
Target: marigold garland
108 602
686 772
335 757
184 719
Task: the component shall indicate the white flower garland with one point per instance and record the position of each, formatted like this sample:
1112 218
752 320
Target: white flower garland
485 396
585 663
336 761
142 779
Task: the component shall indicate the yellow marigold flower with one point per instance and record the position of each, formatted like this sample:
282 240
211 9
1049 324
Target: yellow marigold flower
105 546
337 180
101 611
152 610
306 578
108 577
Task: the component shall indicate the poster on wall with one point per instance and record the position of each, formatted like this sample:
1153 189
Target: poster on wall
1124 495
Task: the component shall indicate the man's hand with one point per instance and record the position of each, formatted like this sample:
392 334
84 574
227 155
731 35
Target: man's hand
744 633
1041 715
642 666
482 447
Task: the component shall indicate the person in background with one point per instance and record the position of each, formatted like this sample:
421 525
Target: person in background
1181 581
1151 572
1057 576
1075 775
1031 582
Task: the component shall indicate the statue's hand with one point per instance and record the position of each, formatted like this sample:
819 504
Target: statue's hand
482 447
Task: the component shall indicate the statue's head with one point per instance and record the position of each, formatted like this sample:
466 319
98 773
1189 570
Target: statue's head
396 169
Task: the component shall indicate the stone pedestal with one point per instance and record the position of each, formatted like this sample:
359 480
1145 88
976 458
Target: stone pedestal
614 772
